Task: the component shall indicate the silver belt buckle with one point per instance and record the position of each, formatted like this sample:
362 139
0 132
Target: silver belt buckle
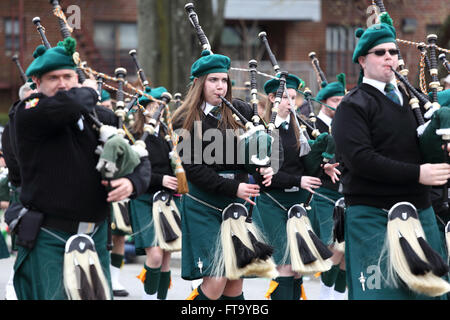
293 189
86 227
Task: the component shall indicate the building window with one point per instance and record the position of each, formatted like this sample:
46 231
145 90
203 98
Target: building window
114 40
340 44
240 41
12 39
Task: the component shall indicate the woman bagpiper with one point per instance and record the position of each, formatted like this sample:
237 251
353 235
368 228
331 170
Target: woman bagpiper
215 178
290 186
333 282
156 272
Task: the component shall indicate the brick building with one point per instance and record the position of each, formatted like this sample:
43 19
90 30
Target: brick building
295 28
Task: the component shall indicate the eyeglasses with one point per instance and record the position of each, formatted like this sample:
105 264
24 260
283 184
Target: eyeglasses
382 52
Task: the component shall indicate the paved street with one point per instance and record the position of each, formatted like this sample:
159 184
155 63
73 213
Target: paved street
254 289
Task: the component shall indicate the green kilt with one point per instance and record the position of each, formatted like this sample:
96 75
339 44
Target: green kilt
141 215
365 232
4 252
201 229
275 218
321 214
39 272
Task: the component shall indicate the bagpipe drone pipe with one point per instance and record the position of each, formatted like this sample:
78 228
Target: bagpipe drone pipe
242 250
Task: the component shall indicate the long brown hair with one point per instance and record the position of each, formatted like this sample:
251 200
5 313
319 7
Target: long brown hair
292 120
191 110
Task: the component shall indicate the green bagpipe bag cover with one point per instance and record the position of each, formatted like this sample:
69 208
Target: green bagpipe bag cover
117 159
322 147
430 142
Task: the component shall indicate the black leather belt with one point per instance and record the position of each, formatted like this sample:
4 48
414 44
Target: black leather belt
70 226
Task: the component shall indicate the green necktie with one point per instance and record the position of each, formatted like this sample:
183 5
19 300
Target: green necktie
215 112
391 94
284 125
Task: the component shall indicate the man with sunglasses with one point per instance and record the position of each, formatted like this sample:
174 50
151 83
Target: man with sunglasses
375 133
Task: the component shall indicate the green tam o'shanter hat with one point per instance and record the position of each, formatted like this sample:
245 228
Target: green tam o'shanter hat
105 96
56 58
210 63
443 97
154 92
383 32
292 82
332 89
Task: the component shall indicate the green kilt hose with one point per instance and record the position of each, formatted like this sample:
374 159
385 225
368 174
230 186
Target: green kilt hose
201 229
275 218
321 214
365 233
39 272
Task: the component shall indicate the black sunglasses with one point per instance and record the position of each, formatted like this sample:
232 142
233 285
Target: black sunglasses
382 52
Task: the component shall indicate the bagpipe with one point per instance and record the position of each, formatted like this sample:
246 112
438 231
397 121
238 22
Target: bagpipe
241 250
411 258
169 134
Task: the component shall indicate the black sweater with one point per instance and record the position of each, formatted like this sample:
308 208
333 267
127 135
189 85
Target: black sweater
57 160
204 174
158 153
378 146
291 169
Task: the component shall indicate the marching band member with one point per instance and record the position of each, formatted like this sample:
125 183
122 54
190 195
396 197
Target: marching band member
156 272
331 95
375 134
61 188
213 183
290 186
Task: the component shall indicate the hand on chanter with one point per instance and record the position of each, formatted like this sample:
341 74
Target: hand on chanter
267 174
170 182
331 171
246 191
121 189
434 174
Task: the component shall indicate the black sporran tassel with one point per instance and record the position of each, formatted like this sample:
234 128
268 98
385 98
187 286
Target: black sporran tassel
305 253
323 250
125 212
262 250
438 265
338 222
85 289
244 255
97 285
416 265
168 233
177 218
